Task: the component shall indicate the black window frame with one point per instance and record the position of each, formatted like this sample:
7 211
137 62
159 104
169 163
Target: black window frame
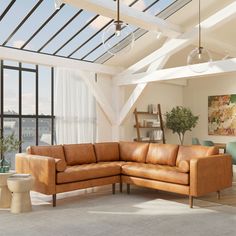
20 116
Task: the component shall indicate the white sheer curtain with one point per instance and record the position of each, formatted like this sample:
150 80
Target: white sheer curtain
75 107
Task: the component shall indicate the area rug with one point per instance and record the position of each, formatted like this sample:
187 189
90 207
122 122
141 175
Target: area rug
144 212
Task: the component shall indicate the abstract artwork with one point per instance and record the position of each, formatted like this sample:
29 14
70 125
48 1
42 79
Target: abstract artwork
222 115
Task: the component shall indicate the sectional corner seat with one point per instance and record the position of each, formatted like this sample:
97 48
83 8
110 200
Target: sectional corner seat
188 170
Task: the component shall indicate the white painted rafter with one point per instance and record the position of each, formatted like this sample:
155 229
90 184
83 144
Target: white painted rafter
220 46
43 59
139 89
182 72
128 15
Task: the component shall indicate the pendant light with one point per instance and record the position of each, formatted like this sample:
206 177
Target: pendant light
200 54
118 37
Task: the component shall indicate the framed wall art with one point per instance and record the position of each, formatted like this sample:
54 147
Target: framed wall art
222 115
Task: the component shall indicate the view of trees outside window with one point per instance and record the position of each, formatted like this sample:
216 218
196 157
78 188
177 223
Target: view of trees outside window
27 104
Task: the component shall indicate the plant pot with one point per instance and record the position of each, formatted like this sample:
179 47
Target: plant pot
4 166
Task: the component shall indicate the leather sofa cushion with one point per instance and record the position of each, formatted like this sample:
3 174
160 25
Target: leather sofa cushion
89 171
156 172
133 151
77 154
107 151
55 151
163 154
186 153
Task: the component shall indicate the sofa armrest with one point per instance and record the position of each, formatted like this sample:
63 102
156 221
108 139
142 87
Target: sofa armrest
43 169
210 174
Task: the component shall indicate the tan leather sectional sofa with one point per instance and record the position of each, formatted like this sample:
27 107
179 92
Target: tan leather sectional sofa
188 170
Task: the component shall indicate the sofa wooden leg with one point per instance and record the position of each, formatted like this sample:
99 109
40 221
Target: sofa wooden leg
121 187
113 188
191 201
218 195
54 200
128 188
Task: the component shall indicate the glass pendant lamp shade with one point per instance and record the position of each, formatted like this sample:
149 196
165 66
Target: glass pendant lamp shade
57 4
118 37
199 56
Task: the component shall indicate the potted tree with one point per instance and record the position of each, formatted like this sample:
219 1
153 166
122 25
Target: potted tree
180 120
7 144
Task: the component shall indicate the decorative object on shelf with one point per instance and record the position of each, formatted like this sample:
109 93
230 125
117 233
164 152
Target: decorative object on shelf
180 120
150 108
154 108
199 55
151 126
120 30
7 144
222 115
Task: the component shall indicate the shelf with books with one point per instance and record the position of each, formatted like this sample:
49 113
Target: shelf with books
152 123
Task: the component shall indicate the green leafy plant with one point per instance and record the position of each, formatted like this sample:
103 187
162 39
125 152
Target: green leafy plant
180 120
7 144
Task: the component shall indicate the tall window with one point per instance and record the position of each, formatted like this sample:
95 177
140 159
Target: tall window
27 104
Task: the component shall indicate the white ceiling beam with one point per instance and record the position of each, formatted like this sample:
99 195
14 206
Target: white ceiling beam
139 89
182 82
48 60
220 46
128 15
183 72
174 45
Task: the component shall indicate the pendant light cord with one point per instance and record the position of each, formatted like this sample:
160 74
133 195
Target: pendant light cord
199 26
118 11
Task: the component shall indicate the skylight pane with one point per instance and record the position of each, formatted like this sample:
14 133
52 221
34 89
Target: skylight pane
3 5
53 26
127 2
32 24
113 41
84 35
160 6
141 5
94 39
12 19
68 32
89 46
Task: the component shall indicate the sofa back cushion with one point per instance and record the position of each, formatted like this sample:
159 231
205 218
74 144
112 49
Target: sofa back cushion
162 154
107 151
55 151
77 154
133 151
186 153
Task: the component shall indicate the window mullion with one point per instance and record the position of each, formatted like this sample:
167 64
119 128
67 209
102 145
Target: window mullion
52 105
20 105
36 105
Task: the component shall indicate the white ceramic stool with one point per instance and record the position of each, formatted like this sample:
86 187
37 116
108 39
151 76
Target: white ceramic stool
20 187
5 194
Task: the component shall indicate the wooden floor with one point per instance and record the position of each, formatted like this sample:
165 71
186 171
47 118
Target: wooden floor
228 197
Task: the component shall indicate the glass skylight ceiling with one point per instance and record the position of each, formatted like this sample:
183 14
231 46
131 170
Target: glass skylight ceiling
35 25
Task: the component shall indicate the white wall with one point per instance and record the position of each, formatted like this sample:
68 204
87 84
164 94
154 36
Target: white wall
196 97
104 127
167 95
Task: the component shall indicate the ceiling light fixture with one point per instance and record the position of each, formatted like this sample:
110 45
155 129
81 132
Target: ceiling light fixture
57 4
199 55
118 37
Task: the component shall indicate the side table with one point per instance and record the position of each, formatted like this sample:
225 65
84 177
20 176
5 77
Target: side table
5 194
20 186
